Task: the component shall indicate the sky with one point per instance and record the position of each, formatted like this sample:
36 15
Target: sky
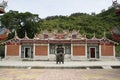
47 8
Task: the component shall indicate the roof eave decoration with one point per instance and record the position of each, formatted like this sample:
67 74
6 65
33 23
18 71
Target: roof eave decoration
106 40
14 41
11 42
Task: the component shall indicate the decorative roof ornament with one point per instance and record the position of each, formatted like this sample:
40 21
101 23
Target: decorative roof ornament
36 37
104 38
74 32
94 36
115 3
16 35
115 33
104 35
3 6
26 37
4 33
45 32
83 37
65 32
117 6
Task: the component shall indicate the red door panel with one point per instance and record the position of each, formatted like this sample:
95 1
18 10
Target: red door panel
92 52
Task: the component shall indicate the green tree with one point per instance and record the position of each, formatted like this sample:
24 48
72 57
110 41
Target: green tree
21 22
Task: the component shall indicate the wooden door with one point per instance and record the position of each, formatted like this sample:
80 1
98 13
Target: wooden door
92 52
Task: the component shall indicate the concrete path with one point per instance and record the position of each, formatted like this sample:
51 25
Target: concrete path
52 64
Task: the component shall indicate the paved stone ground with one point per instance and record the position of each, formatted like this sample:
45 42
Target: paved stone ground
59 74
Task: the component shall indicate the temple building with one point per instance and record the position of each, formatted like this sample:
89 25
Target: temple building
76 47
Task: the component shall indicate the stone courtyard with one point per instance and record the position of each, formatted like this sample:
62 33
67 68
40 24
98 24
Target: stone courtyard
70 70
59 74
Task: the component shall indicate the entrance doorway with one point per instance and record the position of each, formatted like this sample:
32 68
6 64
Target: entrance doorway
66 50
92 52
27 52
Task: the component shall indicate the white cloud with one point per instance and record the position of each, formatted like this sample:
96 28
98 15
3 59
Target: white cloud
58 7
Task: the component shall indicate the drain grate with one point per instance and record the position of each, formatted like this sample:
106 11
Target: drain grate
115 67
44 67
58 67
96 67
13 67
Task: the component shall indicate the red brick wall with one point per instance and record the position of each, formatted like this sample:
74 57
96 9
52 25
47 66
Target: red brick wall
41 50
78 50
12 50
107 50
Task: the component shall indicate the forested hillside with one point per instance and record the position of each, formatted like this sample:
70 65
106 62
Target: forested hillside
85 23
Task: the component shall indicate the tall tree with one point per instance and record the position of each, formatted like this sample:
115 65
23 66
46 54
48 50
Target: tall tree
21 22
